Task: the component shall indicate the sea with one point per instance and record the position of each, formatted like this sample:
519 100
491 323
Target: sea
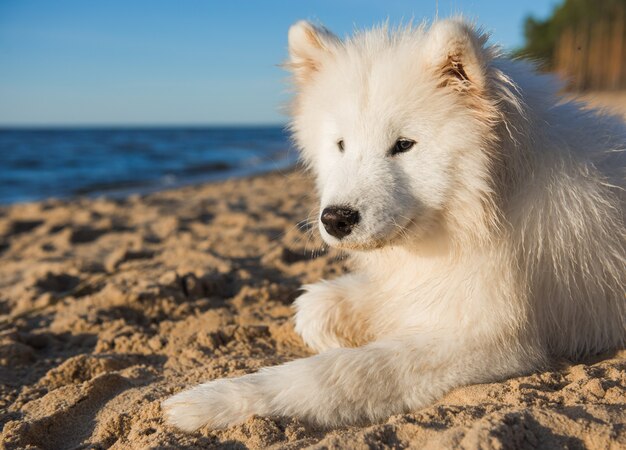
37 164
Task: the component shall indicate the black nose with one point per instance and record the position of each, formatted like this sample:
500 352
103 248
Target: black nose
339 221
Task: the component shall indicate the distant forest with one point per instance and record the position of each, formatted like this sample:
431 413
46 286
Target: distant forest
584 41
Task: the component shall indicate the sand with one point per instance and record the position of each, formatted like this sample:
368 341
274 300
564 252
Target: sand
107 307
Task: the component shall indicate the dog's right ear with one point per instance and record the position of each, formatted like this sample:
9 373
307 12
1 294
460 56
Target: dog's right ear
309 45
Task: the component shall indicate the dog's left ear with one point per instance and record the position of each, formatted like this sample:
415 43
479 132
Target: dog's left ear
459 55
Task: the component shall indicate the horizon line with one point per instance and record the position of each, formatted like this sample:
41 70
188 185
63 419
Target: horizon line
32 126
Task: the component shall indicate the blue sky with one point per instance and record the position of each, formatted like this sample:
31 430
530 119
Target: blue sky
151 62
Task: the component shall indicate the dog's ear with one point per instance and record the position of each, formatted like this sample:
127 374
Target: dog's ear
309 45
459 55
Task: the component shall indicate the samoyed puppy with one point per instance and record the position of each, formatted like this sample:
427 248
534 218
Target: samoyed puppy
485 216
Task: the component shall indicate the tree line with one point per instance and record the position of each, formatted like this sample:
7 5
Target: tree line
584 41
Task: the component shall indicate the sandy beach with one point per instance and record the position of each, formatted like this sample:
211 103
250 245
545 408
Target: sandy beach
107 307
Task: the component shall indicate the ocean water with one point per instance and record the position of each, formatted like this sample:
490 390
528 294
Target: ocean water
40 163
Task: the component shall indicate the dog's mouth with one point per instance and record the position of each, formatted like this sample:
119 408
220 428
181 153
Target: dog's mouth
393 234
361 246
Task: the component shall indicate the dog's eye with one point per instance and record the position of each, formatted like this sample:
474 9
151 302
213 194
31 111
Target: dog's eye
401 146
340 145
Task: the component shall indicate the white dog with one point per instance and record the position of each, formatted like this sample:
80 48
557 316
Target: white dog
485 217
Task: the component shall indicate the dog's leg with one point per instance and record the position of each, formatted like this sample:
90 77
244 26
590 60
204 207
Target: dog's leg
333 314
346 385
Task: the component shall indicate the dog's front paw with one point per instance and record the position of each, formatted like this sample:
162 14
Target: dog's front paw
318 313
217 404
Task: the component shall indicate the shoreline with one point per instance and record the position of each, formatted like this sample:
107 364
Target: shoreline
219 176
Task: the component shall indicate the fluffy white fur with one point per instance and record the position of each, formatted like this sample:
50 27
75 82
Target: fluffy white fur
493 245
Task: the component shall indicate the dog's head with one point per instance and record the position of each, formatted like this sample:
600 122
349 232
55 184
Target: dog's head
397 127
